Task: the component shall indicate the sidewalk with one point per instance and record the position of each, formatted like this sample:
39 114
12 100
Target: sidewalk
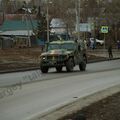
104 53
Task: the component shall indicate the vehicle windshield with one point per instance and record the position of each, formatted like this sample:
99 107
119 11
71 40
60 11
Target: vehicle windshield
67 46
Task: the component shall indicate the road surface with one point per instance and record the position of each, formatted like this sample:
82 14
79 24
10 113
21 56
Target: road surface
53 89
35 75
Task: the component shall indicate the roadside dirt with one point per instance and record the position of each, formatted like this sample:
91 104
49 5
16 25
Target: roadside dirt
12 59
19 58
106 109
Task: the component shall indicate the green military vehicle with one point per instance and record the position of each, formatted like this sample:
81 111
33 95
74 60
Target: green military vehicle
63 53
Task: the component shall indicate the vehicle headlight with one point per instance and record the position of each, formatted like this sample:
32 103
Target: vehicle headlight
43 58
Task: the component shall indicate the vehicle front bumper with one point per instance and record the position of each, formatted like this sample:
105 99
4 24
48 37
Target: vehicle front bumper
52 63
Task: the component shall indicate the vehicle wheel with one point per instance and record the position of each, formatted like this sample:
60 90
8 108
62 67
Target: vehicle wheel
82 65
59 69
44 69
69 65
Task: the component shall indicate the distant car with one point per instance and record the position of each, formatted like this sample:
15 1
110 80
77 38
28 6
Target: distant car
98 42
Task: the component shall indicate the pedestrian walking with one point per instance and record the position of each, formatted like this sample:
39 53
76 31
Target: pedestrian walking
110 51
92 44
85 44
118 44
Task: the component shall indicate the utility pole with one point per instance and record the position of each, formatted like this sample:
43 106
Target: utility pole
47 21
48 2
27 24
78 18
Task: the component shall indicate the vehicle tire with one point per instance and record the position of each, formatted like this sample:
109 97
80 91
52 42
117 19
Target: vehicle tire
59 69
82 65
69 65
44 69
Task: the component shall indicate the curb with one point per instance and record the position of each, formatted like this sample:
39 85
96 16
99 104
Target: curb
19 70
102 60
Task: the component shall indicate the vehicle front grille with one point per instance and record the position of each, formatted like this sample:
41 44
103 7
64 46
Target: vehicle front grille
56 57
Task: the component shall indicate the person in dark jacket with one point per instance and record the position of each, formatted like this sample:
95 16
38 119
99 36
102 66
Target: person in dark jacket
118 44
110 51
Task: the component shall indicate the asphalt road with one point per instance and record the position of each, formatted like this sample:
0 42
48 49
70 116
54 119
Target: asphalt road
23 101
36 75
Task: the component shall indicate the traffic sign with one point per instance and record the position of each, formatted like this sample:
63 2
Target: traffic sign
84 27
104 29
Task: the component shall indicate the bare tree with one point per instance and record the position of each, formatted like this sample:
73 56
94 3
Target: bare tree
111 16
65 10
8 6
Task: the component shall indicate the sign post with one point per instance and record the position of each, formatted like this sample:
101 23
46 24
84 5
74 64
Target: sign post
104 29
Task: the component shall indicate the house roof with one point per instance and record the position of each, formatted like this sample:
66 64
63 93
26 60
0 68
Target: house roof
17 33
13 25
57 23
17 16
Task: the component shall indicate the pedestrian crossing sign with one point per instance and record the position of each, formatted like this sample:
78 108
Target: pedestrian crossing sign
104 29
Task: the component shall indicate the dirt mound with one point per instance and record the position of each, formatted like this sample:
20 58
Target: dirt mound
106 109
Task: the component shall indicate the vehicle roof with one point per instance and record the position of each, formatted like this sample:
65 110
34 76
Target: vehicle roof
62 42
